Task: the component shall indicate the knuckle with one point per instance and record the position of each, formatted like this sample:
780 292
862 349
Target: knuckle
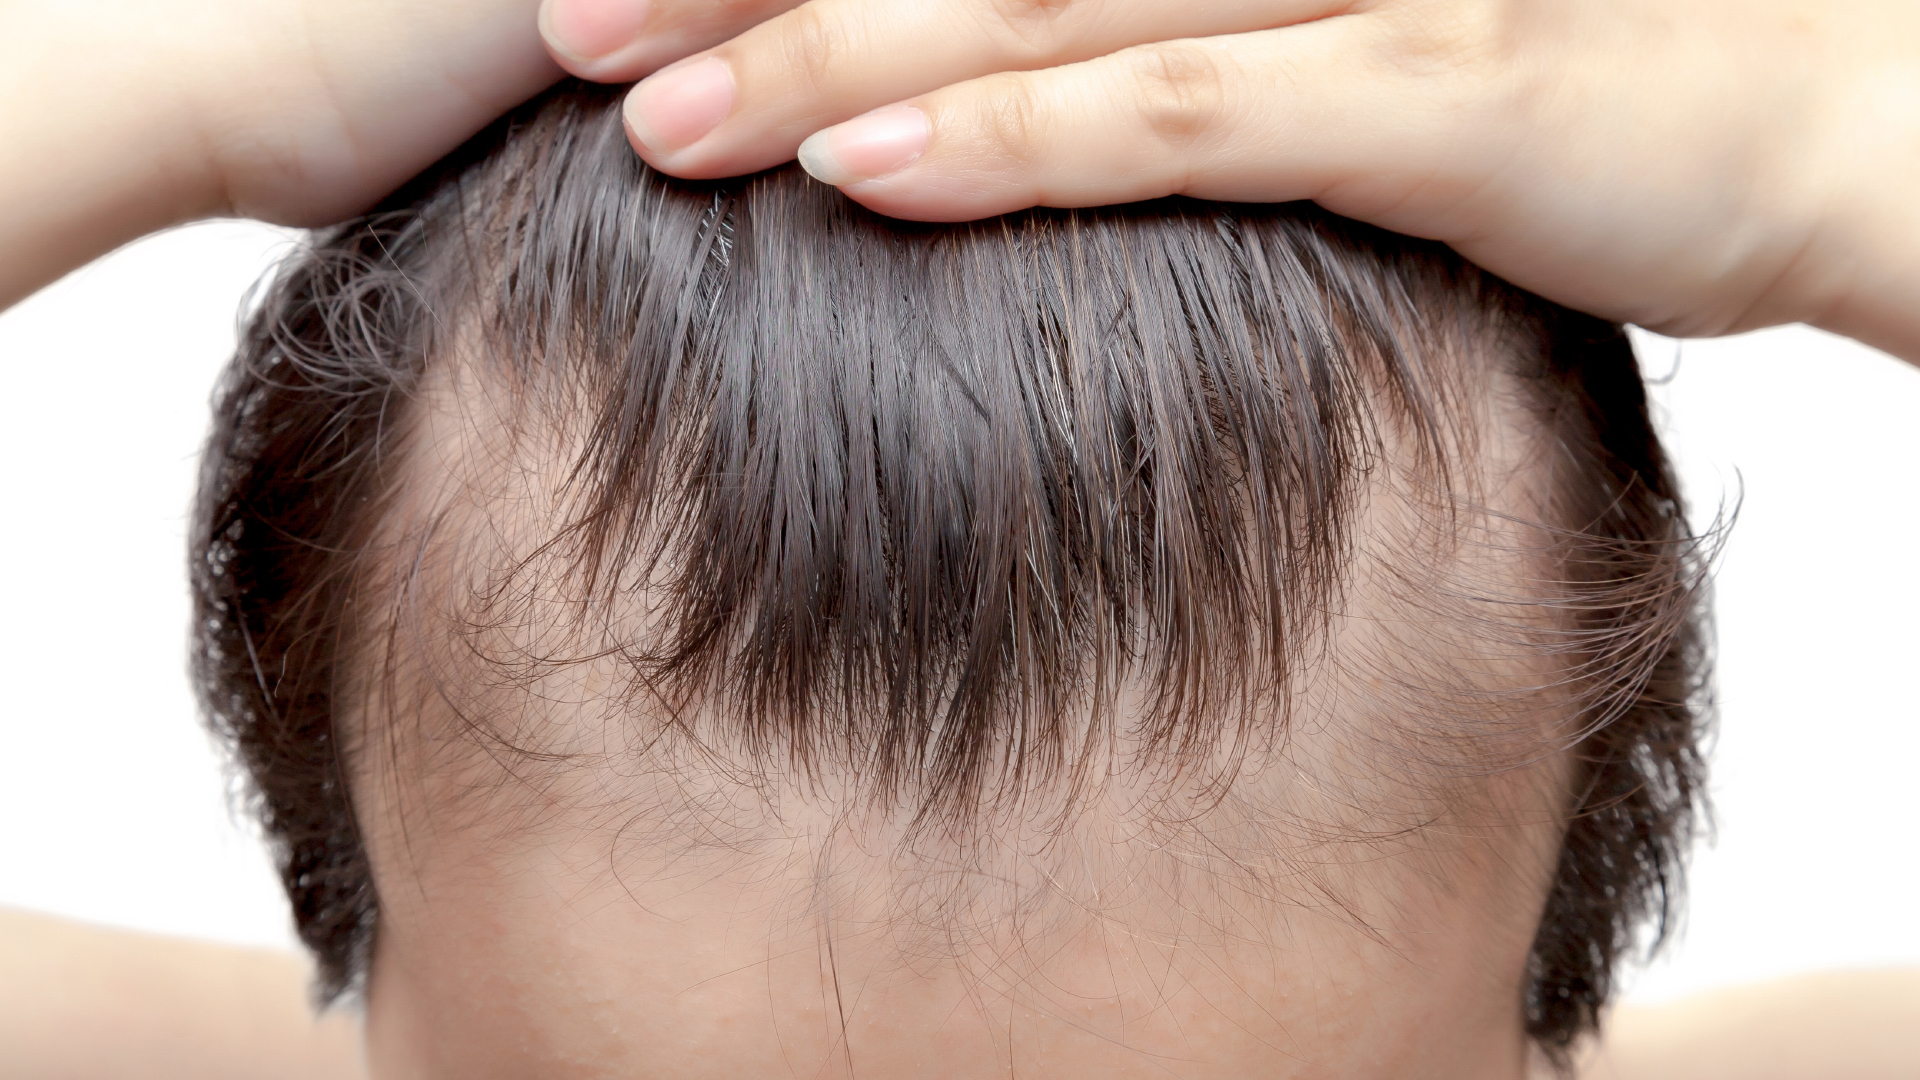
1468 39
718 16
1011 124
1180 91
1481 62
816 47
1029 31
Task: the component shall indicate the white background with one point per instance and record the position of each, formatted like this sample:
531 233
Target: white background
113 806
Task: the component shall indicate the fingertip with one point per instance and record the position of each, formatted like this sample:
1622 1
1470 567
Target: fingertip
868 147
680 105
587 31
820 162
687 161
633 137
890 202
914 195
603 40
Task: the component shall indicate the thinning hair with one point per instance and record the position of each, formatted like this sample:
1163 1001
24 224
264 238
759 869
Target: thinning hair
907 502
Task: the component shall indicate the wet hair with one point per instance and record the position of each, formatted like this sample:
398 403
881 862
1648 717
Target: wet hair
904 498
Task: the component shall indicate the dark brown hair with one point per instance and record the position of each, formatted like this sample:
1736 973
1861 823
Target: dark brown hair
960 472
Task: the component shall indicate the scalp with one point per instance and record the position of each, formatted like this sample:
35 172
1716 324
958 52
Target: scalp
1240 550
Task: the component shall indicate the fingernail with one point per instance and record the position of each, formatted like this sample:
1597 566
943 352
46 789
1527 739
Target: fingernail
678 106
590 29
866 147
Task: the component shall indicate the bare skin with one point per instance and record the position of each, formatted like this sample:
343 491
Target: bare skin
1697 166
122 118
206 1012
1857 1024
79 1001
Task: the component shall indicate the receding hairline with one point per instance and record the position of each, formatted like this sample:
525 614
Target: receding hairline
552 310
516 444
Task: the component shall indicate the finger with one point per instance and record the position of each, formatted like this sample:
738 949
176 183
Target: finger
623 40
747 104
1315 111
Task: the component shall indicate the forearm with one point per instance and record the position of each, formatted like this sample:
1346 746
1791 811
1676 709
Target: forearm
1852 1024
119 117
1873 240
78 1000
99 146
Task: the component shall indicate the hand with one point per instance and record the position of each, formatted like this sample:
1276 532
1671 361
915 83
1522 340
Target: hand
1695 166
312 110
88 1001
123 116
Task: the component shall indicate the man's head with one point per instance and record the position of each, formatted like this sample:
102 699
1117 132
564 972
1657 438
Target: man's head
709 630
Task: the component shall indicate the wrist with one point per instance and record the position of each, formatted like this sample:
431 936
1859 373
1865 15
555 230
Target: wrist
102 144
1864 263
311 111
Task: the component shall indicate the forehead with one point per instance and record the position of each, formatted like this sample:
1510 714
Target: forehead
575 869
578 953
657 916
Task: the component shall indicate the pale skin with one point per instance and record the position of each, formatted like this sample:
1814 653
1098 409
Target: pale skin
640 912
1695 166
